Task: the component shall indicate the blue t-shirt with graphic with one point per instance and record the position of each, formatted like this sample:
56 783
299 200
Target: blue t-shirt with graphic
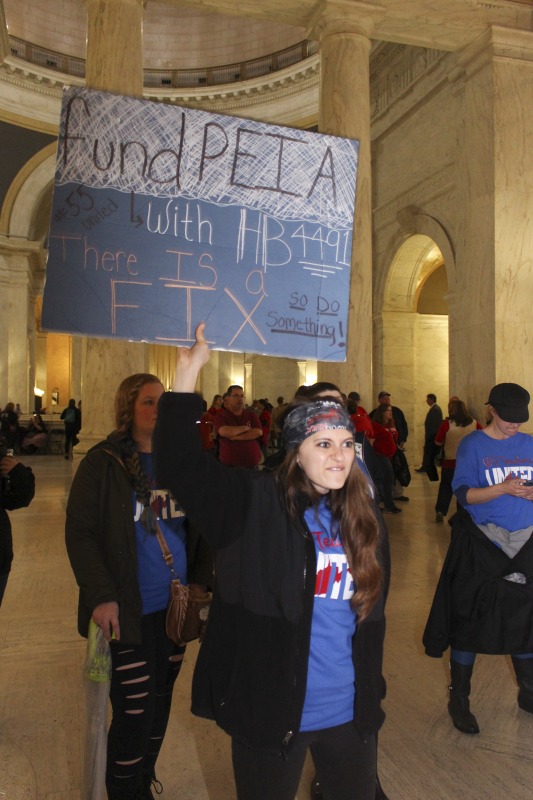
484 461
330 693
153 574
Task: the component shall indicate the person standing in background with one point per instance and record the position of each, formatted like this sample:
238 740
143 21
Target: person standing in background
17 488
400 423
431 426
239 431
71 416
483 601
450 433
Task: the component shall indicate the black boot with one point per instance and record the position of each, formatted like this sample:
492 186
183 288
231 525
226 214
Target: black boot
459 704
523 668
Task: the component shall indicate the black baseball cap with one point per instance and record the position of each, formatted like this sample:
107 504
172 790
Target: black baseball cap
510 401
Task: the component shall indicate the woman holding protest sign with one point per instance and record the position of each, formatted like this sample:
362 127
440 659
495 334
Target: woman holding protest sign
301 573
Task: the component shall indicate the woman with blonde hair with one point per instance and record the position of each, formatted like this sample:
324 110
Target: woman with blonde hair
292 656
114 506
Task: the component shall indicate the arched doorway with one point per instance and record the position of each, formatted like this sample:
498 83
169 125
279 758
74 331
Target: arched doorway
411 334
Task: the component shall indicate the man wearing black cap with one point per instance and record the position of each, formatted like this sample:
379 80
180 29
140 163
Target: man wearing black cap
484 602
397 414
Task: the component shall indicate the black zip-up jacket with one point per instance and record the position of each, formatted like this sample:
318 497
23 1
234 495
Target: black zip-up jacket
475 607
101 544
252 667
16 492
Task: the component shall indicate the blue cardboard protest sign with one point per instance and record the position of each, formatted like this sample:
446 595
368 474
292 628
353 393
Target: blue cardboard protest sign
164 217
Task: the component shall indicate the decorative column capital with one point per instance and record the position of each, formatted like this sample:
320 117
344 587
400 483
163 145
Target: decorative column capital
337 17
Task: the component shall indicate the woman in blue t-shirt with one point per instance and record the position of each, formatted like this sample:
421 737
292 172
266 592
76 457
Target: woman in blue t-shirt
483 602
114 509
291 660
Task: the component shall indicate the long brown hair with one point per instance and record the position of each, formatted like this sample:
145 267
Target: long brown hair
127 394
458 413
352 508
379 416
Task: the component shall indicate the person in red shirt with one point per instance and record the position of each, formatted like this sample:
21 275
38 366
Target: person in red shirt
238 431
360 418
216 405
385 444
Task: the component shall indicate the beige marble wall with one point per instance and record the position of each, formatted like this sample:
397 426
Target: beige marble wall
413 362
273 377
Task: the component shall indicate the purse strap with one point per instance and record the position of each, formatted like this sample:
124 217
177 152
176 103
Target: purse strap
167 555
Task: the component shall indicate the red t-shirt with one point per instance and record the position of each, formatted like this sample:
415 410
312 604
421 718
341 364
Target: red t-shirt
362 422
385 442
238 454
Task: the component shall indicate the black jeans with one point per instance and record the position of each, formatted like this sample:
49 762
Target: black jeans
428 462
141 695
445 495
386 480
345 766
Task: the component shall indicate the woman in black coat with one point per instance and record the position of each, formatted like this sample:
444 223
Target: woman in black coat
292 656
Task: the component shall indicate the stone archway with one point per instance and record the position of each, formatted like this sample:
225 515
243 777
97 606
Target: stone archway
411 332
24 223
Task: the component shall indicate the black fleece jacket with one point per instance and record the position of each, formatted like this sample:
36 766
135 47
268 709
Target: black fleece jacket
475 607
252 667
101 544
16 492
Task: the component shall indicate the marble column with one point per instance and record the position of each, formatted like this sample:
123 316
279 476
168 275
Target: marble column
492 335
343 30
18 265
114 46
114 64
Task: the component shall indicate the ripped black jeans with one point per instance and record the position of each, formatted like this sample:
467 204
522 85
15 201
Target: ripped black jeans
141 696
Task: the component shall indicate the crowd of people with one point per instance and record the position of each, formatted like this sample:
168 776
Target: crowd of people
32 436
294 533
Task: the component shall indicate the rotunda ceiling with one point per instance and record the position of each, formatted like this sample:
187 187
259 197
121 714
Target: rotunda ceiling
174 37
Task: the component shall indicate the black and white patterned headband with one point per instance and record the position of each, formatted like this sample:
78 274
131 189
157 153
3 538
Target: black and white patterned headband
315 417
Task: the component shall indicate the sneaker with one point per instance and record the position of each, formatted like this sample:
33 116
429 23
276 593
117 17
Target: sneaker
402 499
439 517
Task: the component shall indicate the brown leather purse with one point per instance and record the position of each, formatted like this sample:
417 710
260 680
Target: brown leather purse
188 609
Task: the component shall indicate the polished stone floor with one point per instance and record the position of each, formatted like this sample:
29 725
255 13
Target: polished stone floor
422 757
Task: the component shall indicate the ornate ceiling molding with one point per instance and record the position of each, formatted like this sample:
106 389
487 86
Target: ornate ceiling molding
22 82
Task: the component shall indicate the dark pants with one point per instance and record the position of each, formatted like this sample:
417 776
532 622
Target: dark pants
428 462
141 695
70 433
345 767
385 480
3 584
444 498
